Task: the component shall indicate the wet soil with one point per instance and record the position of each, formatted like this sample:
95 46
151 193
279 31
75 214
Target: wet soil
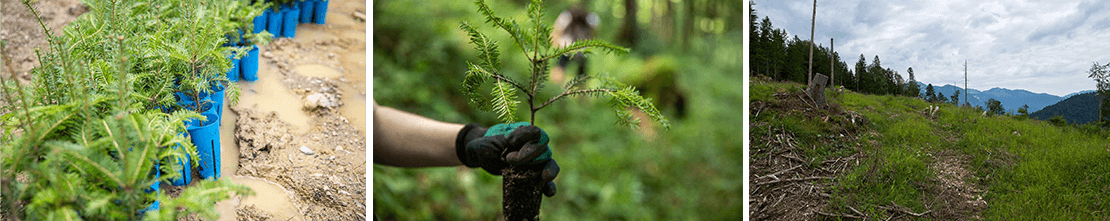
264 134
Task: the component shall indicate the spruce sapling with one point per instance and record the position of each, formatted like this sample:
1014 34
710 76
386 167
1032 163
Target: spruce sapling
521 184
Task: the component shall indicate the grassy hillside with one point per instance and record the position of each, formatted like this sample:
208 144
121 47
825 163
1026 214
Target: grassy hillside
899 161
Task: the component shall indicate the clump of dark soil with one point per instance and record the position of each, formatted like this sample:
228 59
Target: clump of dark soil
522 193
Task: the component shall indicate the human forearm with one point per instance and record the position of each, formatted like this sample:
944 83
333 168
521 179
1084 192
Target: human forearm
407 140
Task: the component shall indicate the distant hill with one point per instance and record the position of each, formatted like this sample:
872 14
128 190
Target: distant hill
1011 99
1079 109
1078 93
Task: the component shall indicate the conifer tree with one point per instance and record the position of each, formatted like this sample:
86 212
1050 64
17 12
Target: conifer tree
502 98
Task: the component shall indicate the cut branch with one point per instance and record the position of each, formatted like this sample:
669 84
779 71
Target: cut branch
792 180
839 215
780 172
901 209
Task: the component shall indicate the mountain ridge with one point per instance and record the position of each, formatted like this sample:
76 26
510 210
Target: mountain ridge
1011 99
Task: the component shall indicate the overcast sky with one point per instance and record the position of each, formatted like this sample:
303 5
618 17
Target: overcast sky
1040 46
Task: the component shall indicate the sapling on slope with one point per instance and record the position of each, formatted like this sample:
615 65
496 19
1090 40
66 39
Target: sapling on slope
522 193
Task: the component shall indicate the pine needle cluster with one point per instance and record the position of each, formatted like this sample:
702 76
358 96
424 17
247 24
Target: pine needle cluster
82 139
535 43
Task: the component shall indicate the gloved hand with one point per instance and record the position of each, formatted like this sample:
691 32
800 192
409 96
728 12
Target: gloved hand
503 145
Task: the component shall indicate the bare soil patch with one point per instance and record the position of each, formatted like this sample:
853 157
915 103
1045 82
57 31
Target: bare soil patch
786 182
22 33
956 194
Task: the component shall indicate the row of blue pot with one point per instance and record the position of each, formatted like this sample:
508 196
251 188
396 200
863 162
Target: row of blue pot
283 22
245 67
205 134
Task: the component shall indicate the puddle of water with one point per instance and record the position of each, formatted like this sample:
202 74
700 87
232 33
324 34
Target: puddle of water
355 64
268 197
229 149
229 156
313 32
354 107
316 70
354 97
270 94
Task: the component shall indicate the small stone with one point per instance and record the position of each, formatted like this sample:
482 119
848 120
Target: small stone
267 54
306 151
360 16
312 101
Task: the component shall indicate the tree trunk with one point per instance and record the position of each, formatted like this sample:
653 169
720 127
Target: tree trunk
630 30
688 25
522 192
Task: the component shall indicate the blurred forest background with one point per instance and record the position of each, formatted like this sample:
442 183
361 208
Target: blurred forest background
686 56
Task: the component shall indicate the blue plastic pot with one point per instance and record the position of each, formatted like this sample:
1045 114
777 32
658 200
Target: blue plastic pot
207 106
217 98
232 40
260 22
307 10
289 20
206 136
274 22
249 67
320 11
157 172
153 207
186 170
233 74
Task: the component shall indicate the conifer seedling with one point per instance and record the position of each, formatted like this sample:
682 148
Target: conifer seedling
522 193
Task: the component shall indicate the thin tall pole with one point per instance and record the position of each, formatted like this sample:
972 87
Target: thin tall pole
832 67
813 24
967 97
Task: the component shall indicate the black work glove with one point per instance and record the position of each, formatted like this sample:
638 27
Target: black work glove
502 145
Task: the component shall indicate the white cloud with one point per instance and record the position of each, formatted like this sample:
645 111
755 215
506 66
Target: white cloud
1041 46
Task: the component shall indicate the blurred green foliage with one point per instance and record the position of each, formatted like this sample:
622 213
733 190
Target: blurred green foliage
691 172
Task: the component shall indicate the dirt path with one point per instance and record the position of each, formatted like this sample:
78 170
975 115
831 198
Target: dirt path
23 33
955 195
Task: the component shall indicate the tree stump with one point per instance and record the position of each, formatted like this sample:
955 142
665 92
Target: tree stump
816 89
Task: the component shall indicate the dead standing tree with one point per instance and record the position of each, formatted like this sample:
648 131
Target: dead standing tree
813 25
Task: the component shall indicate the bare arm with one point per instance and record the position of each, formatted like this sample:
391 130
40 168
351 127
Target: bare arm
407 140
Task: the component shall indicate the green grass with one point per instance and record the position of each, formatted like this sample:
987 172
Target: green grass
1056 173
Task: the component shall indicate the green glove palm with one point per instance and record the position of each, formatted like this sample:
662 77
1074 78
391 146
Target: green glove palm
502 145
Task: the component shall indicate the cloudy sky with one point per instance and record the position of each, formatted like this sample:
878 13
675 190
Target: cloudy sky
1040 46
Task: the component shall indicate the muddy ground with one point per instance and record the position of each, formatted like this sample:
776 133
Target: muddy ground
311 95
299 131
